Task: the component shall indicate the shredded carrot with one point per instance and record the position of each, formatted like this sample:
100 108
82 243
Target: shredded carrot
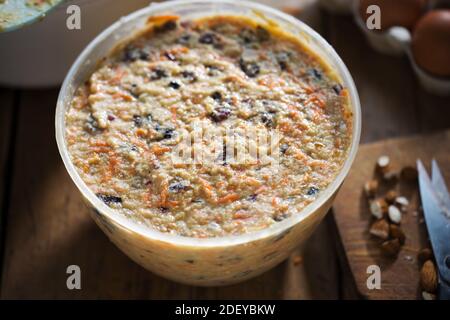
121 95
241 215
274 202
99 143
205 184
285 127
253 182
117 76
180 49
228 198
141 132
164 192
220 185
261 189
159 150
173 110
158 20
113 163
206 188
171 203
299 155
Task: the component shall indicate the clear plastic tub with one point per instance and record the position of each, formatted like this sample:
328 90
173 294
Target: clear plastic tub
211 261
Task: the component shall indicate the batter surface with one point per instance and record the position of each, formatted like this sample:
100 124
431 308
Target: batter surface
224 75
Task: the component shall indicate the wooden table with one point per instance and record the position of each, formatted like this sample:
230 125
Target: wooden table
45 227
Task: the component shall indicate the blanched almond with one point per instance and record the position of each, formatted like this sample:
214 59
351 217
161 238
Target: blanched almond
371 188
395 214
402 202
378 208
383 163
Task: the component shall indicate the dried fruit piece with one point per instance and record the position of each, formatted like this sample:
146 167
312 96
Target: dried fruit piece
424 255
158 73
378 208
383 163
251 69
380 229
391 196
337 88
132 53
174 85
397 233
395 214
409 173
220 114
312 191
178 186
371 188
109 199
208 38
391 247
390 176
428 277
189 75
166 26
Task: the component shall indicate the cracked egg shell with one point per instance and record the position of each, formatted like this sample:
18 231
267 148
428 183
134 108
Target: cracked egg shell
431 43
403 13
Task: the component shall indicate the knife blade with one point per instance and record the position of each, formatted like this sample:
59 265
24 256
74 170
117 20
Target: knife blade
434 195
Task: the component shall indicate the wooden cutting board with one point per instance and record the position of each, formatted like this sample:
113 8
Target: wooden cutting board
399 275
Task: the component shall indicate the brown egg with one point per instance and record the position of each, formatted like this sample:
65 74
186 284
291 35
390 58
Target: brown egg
403 13
431 42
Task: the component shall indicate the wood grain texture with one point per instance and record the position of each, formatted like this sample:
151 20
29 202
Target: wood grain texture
400 275
6 126
6 132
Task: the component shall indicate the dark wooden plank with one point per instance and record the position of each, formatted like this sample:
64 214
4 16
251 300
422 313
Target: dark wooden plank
6 133
6 119
433 111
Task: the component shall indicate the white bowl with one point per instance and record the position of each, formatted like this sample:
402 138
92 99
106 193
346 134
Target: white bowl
211 261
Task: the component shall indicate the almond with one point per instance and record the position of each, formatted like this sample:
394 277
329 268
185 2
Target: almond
380 229
428 296
391 196
424 255
378 208
394 214
390 176
371 188
391 247
397 233
428 277
383 163
402 202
